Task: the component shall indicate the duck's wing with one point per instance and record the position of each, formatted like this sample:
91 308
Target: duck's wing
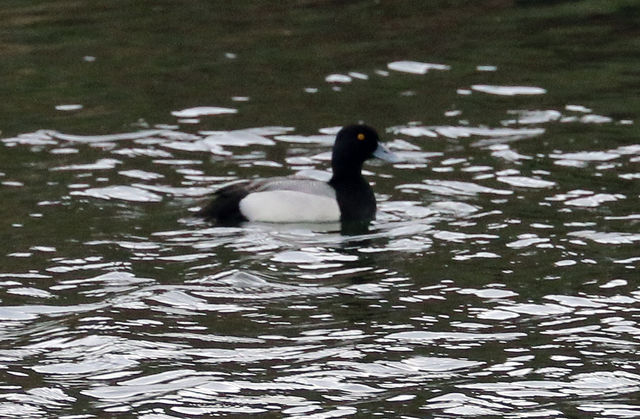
295 184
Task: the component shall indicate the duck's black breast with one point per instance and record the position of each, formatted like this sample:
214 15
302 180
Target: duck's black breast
355 199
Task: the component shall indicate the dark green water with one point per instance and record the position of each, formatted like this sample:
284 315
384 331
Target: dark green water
499 279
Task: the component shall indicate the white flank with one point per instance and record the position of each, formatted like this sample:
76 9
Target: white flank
289 207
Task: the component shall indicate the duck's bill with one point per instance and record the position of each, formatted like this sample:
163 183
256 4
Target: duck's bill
383 153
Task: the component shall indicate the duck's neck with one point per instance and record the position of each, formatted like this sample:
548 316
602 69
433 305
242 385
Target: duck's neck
347 171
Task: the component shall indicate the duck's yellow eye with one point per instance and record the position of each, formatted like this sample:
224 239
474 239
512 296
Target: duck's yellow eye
361 136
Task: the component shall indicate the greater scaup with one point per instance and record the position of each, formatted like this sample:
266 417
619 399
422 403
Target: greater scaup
346 197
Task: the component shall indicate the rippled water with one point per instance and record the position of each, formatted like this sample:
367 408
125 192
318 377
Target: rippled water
499 279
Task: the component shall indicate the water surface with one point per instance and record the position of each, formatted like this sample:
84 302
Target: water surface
499 279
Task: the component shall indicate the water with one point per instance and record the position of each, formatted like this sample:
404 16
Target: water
499 279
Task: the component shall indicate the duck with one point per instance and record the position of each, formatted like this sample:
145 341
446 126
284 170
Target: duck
346 197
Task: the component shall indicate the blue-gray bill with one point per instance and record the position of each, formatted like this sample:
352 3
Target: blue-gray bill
383 153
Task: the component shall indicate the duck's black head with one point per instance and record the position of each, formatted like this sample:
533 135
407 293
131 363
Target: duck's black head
354 145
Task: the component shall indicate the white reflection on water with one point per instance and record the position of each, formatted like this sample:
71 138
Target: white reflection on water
201 111
508 90
416 67
102 164
120 192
